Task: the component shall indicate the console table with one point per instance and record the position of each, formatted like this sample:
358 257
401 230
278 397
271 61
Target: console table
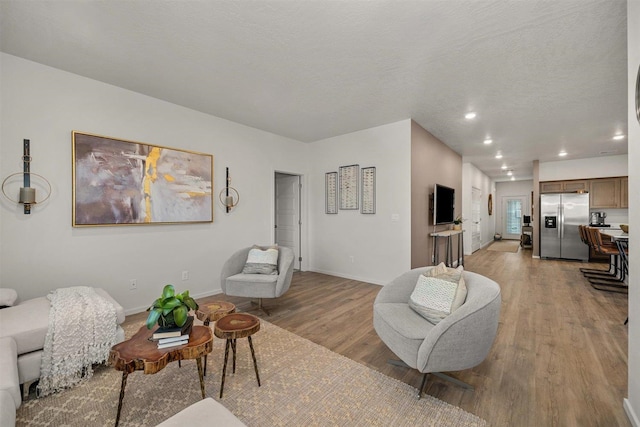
448 234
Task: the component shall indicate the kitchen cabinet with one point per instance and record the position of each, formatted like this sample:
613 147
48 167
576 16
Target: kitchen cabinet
604 193
564 186
624 192
611 193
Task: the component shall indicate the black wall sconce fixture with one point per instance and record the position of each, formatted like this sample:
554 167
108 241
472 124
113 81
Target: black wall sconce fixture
229 196
27 195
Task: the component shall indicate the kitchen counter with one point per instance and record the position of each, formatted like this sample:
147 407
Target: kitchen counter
611 227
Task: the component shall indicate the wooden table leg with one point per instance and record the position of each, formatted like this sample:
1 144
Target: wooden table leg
206 323
200 375
233 347
255 362
224 367
122 386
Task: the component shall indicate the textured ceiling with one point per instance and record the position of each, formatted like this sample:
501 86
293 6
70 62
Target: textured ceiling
541 75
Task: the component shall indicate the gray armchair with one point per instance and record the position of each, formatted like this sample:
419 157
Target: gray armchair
234 283
460 341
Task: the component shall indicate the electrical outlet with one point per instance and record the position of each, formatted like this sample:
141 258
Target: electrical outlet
133 284
185 275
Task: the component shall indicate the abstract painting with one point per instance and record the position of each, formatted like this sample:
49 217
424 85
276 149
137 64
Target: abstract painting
119 182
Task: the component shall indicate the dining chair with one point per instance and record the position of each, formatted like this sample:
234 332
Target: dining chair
614 281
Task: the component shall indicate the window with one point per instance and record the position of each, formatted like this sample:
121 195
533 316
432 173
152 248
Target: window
513 217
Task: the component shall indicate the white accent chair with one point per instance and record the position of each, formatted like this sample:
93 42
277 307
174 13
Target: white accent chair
460 341
234 283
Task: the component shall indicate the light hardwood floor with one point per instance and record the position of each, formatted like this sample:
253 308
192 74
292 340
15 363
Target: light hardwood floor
559 359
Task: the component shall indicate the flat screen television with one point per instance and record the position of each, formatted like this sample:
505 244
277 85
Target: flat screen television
444 199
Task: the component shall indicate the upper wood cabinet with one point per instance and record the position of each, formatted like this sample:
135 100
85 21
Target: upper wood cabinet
571 186
624 192
612 193
564 186
605 193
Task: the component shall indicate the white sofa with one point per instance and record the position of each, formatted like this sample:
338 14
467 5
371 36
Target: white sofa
23 328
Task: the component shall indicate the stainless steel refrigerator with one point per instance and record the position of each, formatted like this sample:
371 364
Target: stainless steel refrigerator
560 215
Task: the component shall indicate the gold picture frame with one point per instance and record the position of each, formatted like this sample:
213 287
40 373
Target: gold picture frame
121 182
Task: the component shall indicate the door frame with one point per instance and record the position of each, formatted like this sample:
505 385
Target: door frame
479 222
302 214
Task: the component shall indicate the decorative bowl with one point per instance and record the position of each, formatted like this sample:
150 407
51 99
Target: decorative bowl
625 228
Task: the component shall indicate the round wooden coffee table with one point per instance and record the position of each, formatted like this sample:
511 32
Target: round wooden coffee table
234 326
211 312
140 354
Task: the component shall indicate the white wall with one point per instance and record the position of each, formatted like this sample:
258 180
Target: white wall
380 246
595 167
474 177
41 251
511 189
632 404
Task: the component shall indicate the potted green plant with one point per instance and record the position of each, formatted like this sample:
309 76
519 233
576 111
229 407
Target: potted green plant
457 222
170 309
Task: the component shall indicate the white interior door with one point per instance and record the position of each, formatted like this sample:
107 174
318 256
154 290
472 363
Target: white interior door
513 207
287 226
476 235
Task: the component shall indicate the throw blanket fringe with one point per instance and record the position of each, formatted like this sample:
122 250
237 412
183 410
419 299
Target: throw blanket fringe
82 330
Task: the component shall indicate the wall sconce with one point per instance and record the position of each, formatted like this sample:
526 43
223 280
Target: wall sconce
229 196
27 195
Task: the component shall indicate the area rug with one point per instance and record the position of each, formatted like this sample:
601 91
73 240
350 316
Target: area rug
303 384
505 246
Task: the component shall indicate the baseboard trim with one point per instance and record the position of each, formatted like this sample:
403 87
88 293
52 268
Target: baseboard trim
347 276
136 310
633 417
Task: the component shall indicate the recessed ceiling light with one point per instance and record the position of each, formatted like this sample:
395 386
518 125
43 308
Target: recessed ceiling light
498 156
513 178
470 116
510 173
488 141
618 137
504 167
562 153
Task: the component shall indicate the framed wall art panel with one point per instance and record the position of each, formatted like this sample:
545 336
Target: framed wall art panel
120 182
331 192
368 190
349 177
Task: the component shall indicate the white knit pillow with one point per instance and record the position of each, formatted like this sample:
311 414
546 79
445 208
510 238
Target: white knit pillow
438 293
262 260
8 296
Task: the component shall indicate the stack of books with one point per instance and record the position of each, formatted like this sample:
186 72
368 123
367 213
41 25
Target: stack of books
173 337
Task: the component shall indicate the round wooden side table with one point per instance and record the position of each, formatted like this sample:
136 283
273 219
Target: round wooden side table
211 312
234 326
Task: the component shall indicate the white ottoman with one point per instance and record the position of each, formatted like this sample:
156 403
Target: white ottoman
206 412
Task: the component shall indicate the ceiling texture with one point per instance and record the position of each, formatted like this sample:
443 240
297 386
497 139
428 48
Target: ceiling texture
542 76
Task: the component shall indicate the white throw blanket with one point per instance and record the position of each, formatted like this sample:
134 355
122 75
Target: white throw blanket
82 330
